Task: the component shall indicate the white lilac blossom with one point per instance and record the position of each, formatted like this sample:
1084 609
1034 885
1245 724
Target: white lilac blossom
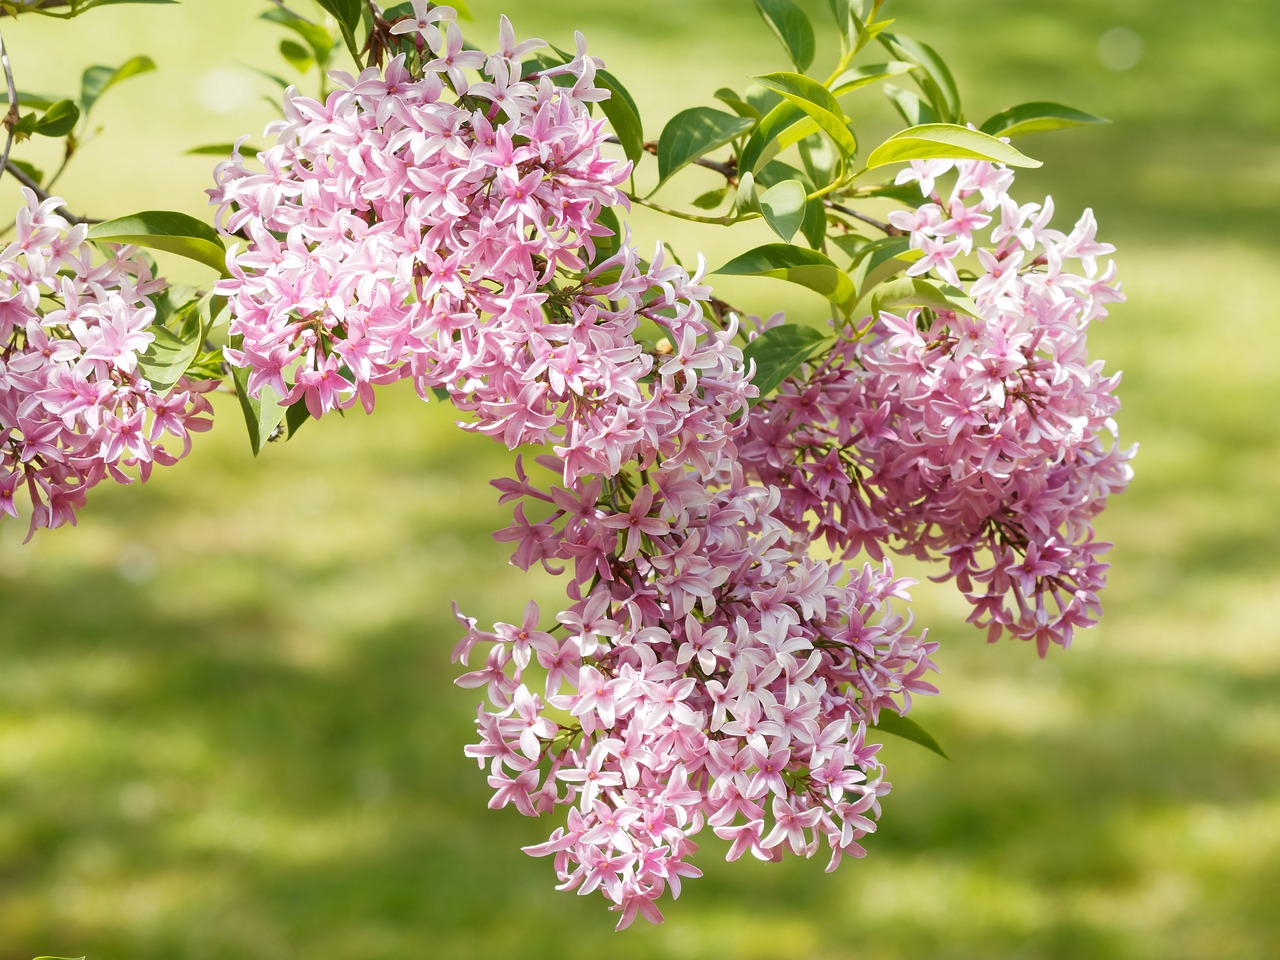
74 405
987 442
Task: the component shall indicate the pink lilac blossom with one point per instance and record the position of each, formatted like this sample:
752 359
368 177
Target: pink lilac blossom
986 442
705 671
74 405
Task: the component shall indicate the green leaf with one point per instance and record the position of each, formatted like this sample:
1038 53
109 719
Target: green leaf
879 260
296 415
316 36
814 225
34 172
606 247
809 268
296 55
778 353
815 100
169 231
850 244
792 27
918 292
908 729
820 160
857 77
783 125
711 199
935 79
735 103
96 81
261 414
346 12
59 120
910 105
38 100
692 133
166 359
223 150
623 115
783 206
1037 117
946 140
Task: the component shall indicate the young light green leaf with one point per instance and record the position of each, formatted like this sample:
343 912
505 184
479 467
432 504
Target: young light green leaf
908 729
59 120
783 206
856 77
946 140
97 80
711 199
166 230
223 150
910 106
262 414
1036 117
809 268
935 79
779 352
623 115
782 126
296 55
879 260
815 100
735 103
792 27
911 292
693 133
316 36
26 99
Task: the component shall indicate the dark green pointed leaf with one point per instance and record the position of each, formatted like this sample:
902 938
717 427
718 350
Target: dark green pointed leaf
814 225
59 120
908 292
96 81
779 352
908 729
792 27
934 77
946 141
296 415
346 12
815 100
606 247
693 133
1036 118
850 244
819 158
809 268
623 115
169 231
783 208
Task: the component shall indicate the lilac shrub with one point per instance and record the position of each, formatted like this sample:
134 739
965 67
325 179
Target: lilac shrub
718 495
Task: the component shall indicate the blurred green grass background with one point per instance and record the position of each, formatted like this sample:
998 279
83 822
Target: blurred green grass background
227 722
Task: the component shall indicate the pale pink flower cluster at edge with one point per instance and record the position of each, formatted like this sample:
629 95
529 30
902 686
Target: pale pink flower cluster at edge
706 670
74 406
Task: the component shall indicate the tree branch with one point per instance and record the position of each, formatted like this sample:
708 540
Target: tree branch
887 229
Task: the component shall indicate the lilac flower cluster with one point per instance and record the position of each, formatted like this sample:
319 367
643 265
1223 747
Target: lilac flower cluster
985 441
74 406
706 671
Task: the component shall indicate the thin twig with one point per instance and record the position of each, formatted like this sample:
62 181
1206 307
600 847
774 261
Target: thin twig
42 194
887 229
11 118
727 170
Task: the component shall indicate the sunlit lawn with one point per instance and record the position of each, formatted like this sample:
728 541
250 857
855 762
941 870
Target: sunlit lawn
227 721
